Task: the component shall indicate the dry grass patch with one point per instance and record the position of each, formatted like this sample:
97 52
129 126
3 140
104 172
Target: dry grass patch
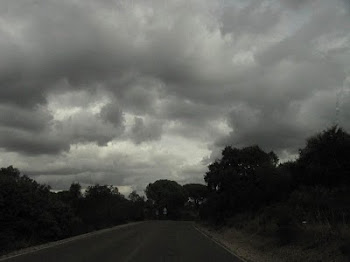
314 243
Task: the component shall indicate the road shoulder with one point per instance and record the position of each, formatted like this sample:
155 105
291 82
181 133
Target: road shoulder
219 241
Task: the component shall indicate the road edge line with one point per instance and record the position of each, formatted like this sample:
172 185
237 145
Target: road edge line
33 249
219 243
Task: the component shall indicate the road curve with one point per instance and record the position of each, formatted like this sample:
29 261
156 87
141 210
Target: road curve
155 241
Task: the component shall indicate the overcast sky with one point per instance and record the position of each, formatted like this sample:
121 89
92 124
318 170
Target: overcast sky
127 92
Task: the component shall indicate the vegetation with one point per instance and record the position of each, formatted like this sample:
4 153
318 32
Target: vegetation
247 190
166 194
32 214
197 193
305 202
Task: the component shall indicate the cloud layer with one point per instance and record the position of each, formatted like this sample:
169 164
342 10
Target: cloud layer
127 92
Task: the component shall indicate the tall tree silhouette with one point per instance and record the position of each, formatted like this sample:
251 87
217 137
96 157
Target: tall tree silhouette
325 160
238 181
167 194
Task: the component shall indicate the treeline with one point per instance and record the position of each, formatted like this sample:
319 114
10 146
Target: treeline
248 184
167 199
31 214
245 185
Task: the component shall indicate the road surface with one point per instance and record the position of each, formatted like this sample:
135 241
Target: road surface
155 241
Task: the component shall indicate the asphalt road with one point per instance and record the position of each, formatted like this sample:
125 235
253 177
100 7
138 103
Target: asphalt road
155 241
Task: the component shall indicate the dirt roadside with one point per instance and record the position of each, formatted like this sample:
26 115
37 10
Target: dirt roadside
256 248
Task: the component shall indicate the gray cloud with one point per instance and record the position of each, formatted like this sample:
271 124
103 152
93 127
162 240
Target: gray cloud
256 17
143 131
297 4
85 127
104 75
112 113
29 143
19 118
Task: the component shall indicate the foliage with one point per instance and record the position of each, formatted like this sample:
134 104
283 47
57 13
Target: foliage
197 193
30 213
167 194
246 184
243 179
107 205
237 163
247 187
137 206
325 159
321 204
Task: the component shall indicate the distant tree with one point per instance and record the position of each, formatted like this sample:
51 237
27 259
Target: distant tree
102 192
325 160
196 192
75 190
137 207
134 197
72 196
167 194
103 206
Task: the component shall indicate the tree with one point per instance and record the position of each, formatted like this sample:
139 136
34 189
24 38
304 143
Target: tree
243 163
75 190
197 193
103 206
71 197
167 194
238 181
325 159
137 206
134 197
30 213
99 192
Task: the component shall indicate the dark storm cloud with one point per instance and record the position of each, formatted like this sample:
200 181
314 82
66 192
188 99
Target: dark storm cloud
270 130
14 117
29 143
143 131
28 131
188 111
140 94
112 113
100 74
84 127
296 89
46 41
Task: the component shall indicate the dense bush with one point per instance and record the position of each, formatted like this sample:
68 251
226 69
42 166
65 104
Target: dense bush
315 188
325 159
32 214
242 180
